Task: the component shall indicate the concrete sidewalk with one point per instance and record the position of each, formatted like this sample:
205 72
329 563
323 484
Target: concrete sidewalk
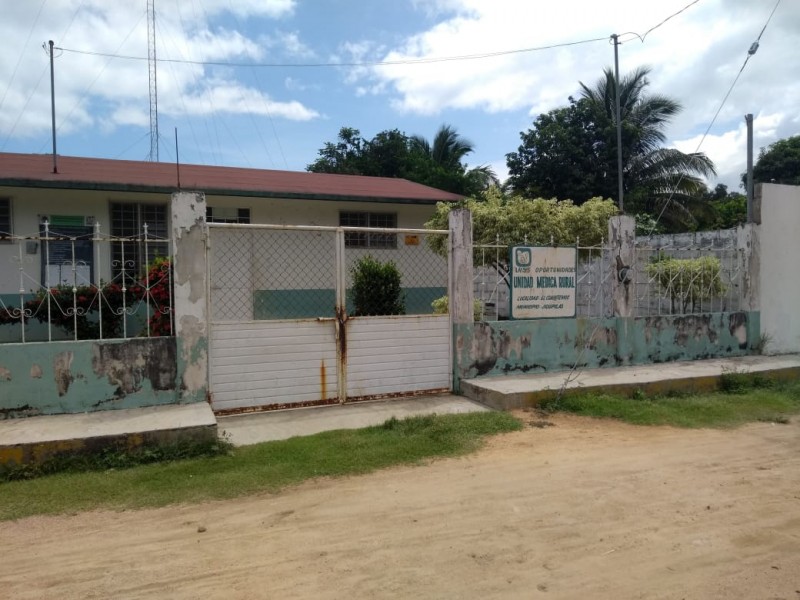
516 391
34 439
253 428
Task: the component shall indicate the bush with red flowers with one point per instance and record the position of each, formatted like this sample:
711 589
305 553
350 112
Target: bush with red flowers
86 308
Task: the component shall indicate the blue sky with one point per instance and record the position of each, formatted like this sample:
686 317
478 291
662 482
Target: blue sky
279 117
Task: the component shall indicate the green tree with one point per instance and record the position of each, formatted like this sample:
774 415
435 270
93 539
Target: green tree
392 153
516 221
778 163
572 150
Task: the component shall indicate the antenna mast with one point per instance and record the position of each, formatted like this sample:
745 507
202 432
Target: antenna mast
151 68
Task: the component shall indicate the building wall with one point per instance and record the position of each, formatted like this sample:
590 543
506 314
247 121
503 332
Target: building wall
545 345
29 205
74 377
779 281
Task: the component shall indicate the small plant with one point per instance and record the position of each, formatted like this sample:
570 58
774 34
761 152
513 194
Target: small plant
441 306
739 382
764 341
376 288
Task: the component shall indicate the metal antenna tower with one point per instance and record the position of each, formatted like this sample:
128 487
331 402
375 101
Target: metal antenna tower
151 68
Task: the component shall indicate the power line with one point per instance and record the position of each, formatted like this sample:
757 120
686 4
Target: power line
654 27
750 53
379 63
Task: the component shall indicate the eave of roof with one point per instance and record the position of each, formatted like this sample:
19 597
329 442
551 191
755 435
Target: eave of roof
35 171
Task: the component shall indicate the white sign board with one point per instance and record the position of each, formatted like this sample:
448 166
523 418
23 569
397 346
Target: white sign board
543 280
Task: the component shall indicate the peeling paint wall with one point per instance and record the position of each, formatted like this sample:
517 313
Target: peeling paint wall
190 290
73 377
513 347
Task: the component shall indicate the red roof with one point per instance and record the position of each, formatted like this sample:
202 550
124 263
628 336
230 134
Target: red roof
36 170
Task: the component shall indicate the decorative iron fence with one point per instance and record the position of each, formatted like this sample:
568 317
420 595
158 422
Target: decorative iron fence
492 288
672 274
269 272
60 285
688 274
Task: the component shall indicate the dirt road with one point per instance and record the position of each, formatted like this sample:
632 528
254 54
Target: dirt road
583 509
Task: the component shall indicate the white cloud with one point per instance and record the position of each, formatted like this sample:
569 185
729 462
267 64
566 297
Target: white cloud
729 148
230 97
694 58
103 91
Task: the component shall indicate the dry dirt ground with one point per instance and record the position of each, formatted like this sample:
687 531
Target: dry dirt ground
583 509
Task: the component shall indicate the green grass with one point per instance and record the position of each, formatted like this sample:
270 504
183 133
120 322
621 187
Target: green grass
743 400
270 466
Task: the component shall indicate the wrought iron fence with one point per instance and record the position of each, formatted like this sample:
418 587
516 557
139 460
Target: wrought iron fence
268 272
491 285
688 274
59 285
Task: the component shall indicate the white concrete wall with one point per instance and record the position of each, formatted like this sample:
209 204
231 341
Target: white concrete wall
780 272
29 206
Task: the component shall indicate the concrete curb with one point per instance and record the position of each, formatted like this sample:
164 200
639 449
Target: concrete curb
34 440
508 393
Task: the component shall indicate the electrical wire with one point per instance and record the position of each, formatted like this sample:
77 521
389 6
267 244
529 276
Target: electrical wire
91 85
380 63
654 27
750 53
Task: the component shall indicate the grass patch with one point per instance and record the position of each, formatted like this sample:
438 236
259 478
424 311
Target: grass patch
270 466
745 401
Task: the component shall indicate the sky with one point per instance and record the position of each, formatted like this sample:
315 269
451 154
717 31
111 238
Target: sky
265 83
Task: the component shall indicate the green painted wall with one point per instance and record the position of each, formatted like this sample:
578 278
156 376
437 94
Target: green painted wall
511 347
310 303
85 376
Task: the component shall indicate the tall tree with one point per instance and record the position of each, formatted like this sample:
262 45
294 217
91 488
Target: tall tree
582 138
779 163
392 153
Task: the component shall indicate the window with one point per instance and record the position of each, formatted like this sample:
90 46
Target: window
127 221
5 217
225 214
364 239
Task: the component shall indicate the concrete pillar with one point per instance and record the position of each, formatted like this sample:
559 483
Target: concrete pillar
749 246
622 240
459 258
190 285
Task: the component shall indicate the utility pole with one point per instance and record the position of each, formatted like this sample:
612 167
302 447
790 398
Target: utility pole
53 104
748 118
151 68
620 192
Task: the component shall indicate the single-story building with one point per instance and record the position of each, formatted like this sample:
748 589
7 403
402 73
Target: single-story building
89 197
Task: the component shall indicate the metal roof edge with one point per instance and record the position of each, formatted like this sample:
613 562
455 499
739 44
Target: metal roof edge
115 187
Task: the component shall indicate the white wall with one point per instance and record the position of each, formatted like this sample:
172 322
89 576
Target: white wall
780 268
29 204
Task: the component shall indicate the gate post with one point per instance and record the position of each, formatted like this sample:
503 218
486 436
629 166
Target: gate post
340 316
190 289
622 239
459 260
460 274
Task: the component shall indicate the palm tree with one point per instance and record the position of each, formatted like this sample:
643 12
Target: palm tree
446 154
657 180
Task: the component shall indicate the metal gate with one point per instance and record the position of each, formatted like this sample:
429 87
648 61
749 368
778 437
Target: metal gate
281 328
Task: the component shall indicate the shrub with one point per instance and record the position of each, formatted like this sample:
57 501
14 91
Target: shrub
376 288
687 280
441 306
